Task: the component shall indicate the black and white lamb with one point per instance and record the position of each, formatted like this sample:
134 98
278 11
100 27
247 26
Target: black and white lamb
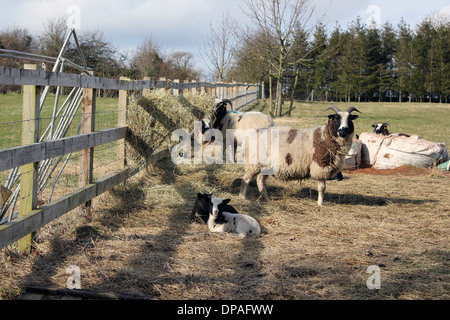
222 221
317 153
202 207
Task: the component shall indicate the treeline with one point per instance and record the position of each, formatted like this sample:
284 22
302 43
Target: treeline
364 63
360 63
147 60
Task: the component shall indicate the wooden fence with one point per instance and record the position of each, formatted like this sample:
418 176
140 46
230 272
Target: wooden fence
31 152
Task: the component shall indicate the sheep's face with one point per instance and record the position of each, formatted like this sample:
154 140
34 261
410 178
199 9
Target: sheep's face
380 128
341 123
216 205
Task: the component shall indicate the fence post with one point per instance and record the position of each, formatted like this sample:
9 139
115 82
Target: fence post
194 89
30 134
176 92
87 126
122 122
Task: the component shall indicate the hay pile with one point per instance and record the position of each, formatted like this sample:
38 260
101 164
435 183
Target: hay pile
154 116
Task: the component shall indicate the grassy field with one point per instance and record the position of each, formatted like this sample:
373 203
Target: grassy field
11 116
430 121
138 239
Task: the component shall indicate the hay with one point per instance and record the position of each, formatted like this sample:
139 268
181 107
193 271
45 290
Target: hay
154 116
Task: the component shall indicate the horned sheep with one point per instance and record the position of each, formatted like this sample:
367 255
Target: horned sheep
381 128
223 119
317 153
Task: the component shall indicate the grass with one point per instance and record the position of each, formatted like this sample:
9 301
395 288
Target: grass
11 116
426 120
138 239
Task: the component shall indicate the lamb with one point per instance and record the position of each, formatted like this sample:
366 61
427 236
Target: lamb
316 153
202 204
381 128
221 221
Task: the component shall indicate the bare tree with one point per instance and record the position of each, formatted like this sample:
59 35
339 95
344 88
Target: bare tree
147 61
219 48
52 39
278 21
180 65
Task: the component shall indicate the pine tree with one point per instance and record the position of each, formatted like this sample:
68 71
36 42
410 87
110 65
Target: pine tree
403 62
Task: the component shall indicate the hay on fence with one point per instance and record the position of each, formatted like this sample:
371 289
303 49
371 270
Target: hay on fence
154 116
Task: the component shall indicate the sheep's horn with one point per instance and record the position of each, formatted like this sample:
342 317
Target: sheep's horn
351 109
227 101
385 124
334 108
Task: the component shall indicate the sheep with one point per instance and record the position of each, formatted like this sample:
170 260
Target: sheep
223 119
222 221
381 128
202 204
316 153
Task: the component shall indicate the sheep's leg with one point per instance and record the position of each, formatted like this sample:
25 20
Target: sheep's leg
321 187
260 181
244 184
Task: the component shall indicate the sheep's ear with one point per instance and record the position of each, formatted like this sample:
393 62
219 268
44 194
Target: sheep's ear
374 126
199 196
226 201
204 127
353 116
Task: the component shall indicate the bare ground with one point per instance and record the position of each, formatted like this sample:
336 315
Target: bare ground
138 239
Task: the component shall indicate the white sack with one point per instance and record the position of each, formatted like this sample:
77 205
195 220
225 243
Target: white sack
393 151
353 158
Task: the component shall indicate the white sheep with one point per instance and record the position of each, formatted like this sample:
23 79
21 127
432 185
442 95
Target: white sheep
317 153
240 224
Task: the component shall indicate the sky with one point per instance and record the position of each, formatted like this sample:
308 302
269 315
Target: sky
183 25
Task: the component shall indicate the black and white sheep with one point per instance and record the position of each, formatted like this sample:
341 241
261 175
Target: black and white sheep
202 207
317 153
223 119
222 221
381 128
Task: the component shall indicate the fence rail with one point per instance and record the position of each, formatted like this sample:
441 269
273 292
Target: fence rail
32 152
15 76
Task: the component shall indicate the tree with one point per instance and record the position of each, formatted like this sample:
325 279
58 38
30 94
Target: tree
320 61
247 67
403 63
18 40
100 56
219 48
52 39
179 65
277 21
147 61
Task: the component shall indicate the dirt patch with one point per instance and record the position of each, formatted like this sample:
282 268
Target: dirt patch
400 171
